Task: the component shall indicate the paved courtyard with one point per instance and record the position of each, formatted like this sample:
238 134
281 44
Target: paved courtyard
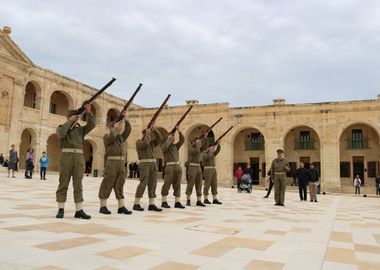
246 232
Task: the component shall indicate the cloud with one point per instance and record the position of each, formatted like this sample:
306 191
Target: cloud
243 52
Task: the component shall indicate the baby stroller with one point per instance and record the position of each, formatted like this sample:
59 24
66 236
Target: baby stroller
246 183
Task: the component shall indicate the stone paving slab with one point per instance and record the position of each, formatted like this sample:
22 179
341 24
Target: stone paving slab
246 232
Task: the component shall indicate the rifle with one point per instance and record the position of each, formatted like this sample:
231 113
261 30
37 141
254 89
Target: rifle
211 127
157 113
129 102
221 136
181 119
81 110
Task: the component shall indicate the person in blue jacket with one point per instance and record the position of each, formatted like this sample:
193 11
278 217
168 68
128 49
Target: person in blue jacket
44 160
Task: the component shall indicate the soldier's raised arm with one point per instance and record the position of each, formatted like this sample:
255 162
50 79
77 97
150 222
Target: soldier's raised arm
90 124
217 150
158 137
181 140
63 129
127 130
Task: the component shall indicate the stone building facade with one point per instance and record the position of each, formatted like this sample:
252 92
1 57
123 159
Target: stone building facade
341 138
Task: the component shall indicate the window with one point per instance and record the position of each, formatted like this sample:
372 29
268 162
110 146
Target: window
254 142
345 169
304 136
53 108
357 134
371 169
256 137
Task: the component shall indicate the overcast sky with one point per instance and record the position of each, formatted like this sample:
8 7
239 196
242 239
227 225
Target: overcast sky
245 52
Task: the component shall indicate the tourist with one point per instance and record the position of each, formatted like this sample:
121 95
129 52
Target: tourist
5 163
136 170
357 184
44 160
249 171
294 183
238 174
303 176
130 167
313 182
29 163
88 167
12 160
377 185
1 159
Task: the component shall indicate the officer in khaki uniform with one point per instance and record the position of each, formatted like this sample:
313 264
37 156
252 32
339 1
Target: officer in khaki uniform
148 167
195 172
72 161
114 171
210 174
173 171
278 175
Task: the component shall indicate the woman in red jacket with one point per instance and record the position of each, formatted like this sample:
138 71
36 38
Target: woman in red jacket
238 174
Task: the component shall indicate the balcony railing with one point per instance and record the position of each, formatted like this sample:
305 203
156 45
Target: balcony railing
254 146
357 143
304 145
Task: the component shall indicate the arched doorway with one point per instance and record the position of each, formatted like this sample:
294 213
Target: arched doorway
53 152
302 144
249 148
28 140
359 154
88 154
112 114
198 131
60 103
32 98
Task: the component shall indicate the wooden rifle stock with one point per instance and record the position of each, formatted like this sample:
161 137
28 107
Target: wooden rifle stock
181 119
129 102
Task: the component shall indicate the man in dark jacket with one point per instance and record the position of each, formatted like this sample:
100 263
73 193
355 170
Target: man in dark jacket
313 182
303 176
378 185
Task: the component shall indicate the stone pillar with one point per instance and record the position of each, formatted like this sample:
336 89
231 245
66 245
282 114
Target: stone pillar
330 165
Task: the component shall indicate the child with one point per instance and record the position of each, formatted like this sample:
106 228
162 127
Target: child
43 165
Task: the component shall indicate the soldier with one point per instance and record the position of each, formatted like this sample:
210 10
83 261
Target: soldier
114 172
211 177
72 161
278 175
148 167
173 171
195 173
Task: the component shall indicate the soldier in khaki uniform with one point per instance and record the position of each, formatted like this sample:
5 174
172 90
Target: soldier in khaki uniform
211 177
195 172
173 171
278 175
114 172
72 161
148 168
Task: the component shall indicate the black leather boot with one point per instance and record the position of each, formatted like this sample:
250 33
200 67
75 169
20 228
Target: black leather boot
81 214
165 205
104 210
199 203
206 201
61 213
137 207
216 201
179 205
153 207
123 210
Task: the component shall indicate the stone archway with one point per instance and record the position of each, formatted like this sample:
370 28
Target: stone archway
53 151
28 140
32 97
359 154
112 114
249 148
60 103
302 144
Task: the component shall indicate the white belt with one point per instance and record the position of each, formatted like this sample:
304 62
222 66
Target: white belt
115 158
148 160
194 164
172 163
72 150
279 172
209 167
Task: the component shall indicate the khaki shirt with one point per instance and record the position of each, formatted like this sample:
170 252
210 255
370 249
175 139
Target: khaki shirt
278 165
209 158
145 147
114 142
194 153
73 138
170 150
